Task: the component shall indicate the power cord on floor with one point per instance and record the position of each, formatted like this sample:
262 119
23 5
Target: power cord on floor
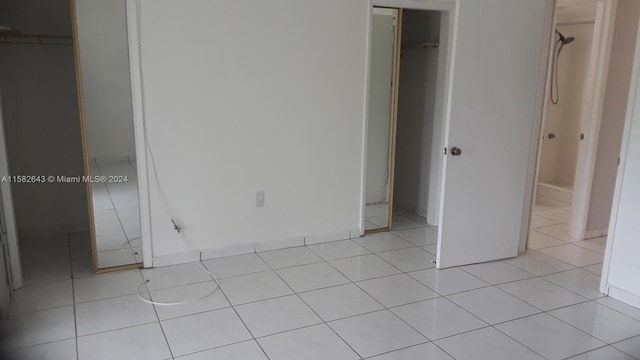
175 225
183 237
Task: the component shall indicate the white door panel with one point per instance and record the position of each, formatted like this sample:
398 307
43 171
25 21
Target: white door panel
8 232
500 58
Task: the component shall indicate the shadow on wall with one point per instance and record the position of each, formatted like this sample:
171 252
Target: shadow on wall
41 119
416 112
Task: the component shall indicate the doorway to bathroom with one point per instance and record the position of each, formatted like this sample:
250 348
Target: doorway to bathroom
569 139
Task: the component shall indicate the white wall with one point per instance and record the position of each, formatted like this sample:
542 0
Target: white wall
622 268
104 61
559 156
419 132
40 114
278 106
575 10
613 115
379 112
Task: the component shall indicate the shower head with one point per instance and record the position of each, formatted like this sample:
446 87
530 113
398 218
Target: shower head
563 39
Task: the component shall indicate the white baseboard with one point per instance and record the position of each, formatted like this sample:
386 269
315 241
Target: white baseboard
175 259
241 249
317 239
52 230
107 160
279 244
231 250
624 296
356 233
591 234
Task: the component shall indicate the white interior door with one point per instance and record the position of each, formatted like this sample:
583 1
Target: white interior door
8 233
499 63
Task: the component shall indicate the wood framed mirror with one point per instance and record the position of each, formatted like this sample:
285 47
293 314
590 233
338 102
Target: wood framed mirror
382 113
106 116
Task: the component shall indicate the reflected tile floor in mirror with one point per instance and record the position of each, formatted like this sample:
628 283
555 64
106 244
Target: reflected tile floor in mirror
376 216
376 297
116 213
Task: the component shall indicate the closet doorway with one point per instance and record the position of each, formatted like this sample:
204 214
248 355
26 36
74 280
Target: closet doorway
404 128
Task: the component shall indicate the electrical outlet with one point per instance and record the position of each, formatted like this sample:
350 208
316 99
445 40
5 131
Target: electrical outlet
259 199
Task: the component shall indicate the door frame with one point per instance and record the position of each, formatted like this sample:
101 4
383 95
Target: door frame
139 128
592 107
633 110
448 8
8 211
593 102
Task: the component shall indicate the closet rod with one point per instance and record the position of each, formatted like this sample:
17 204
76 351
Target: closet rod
432 44
6 37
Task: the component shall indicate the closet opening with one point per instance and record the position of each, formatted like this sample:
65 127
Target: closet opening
405 123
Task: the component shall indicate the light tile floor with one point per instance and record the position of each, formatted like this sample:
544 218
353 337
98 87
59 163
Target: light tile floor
377 297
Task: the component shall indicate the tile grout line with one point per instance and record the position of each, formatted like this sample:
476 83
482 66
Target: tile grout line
396 274
308 306
237 314
155 311
586 352
389 309
624 352
495 285
541 311
589 300
548 312
380 303
73 296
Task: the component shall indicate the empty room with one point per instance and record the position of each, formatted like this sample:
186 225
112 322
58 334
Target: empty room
298 179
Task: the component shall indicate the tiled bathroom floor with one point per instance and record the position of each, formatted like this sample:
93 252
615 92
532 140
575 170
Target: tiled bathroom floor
377 297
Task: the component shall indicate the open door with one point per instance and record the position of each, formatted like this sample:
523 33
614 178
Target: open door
10 271
5 280
499 65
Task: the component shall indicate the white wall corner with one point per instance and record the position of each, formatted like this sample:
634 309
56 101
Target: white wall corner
591 234
422 211
355 233
231 250
279 244
316 239
175 259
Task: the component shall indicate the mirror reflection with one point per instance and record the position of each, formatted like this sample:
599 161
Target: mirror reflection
380 119
108 130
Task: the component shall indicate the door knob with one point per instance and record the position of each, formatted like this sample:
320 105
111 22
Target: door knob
455 151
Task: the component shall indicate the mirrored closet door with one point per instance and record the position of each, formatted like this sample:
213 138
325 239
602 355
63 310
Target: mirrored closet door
381 119
102 61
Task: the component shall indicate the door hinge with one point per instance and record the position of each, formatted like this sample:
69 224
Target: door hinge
444 151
